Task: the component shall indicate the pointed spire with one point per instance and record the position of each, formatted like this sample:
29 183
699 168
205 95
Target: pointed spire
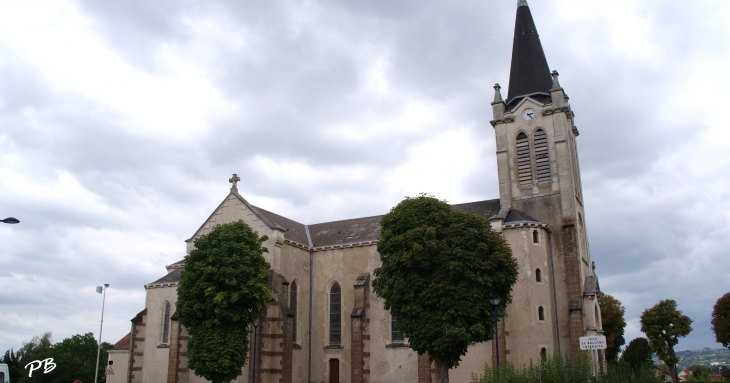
529 73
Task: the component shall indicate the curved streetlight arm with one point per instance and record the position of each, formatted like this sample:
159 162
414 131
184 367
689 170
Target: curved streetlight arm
10 220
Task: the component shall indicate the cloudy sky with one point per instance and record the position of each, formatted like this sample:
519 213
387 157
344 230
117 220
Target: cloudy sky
121 122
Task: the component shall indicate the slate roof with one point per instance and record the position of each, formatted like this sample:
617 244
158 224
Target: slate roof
529 73
356 230
296 231
172 277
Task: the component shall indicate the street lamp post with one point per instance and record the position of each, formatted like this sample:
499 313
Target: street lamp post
495 303
10 220
99 290
256 324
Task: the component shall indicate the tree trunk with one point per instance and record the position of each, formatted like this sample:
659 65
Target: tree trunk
673 373
442 371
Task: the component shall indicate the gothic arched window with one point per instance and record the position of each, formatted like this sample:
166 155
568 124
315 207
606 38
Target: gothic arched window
538 275
542 159
293 308
524 161
540 313
543 354
165 324
335 315
535 236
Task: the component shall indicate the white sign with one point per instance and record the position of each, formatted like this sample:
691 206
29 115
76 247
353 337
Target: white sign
109 371
595 342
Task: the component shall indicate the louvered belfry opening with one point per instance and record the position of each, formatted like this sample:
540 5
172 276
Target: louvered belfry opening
524 163
542 160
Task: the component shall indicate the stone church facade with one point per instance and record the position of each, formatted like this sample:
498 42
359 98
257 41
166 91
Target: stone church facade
327 325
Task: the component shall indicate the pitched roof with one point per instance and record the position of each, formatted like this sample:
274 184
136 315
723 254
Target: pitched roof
295 231
123 343
355 230
173 276
529 73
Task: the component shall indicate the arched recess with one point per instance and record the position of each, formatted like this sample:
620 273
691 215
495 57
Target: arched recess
165 324
524 159
335 314
538 275
535 236
542 158
540 313
294 308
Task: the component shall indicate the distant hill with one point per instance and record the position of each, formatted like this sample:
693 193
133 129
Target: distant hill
704 356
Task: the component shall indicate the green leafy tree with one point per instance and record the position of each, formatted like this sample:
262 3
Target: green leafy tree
223 289
612 319
439 269
75 358
637 355
663 324
11 359
721 320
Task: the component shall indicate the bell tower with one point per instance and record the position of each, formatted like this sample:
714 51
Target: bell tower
539 175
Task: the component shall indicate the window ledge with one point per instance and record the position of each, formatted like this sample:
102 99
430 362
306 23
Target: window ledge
333 347
396 345
163 346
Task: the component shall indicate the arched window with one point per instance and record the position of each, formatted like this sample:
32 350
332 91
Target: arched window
535 236
395 335
335 315
293 308
538 275
542 159
524 162
165 324
543 354
540 313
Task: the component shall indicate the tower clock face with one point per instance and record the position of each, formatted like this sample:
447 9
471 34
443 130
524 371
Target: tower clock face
528 114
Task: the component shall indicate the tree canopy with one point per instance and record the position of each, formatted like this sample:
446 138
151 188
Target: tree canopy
721 320
663 324
612 319
637 355
74 358
440 268
223 288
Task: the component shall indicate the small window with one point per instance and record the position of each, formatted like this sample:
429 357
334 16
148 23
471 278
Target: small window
293 308
524 160
395 335
543 354
540 313
335 315
535 236
538 275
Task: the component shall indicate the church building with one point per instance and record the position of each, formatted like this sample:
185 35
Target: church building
328 326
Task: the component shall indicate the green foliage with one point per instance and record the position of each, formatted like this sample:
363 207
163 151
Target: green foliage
439 269
663 324
622 372
74 358
223 288
721 320
612 319
637 355
555 369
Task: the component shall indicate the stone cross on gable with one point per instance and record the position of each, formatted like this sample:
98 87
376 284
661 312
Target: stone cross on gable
234 181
